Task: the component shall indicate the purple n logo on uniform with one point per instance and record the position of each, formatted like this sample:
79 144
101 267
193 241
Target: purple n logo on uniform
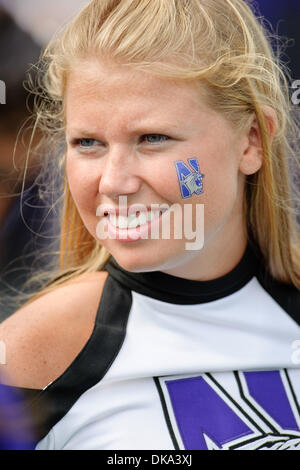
206 417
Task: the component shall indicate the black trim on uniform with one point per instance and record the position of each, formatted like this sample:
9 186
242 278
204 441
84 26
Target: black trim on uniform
297 404
286 295
91 364
166 413
176 290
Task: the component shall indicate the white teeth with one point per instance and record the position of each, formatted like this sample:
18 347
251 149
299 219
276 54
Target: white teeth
131 217
150 216
122 221
113 219
142 218
132 221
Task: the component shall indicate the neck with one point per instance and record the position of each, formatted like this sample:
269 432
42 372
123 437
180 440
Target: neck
172 289
219 255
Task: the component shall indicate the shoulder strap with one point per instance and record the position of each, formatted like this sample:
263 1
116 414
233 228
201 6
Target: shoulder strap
91 364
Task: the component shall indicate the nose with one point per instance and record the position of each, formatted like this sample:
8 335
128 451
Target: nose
119 175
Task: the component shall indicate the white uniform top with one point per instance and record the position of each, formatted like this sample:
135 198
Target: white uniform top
180 364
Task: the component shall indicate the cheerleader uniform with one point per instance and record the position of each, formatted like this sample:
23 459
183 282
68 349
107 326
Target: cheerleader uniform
180 364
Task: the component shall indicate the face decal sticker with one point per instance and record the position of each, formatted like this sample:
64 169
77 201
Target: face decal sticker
190 181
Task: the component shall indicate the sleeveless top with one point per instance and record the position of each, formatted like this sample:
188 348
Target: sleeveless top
180 364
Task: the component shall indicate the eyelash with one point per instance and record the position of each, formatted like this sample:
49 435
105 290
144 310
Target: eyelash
77 142
160 135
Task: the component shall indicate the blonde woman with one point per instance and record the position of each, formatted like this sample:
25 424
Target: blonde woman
176 117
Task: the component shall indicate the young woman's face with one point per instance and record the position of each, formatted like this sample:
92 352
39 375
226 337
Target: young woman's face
125 131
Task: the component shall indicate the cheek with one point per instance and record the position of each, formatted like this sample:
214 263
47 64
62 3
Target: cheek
82 184
166 181
219 183
220 195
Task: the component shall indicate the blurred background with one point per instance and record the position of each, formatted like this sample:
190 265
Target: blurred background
41 18
27 225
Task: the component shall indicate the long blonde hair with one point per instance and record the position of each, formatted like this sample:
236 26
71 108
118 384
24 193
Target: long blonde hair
224 46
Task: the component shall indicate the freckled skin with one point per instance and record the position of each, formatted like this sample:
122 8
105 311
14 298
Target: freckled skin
117 106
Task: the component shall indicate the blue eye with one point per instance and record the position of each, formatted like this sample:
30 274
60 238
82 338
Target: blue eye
155 138
86 142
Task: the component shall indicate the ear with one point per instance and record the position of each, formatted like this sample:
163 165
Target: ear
252 158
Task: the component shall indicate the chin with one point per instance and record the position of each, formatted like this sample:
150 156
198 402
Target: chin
155 255
136 265
142 261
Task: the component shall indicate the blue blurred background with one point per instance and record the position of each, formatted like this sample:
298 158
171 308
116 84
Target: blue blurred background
284 15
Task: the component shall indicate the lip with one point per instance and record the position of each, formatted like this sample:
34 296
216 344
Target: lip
130 235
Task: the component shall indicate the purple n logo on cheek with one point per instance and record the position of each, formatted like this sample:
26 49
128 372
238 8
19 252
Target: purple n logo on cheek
190 182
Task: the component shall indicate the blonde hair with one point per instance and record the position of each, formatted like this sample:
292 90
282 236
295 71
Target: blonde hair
224 46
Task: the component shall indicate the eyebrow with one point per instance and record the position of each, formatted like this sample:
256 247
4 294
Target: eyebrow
78 131
143 129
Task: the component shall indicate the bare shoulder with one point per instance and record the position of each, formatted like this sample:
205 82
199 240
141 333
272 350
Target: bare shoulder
44 337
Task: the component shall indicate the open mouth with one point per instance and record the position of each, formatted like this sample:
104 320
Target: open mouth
133 220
